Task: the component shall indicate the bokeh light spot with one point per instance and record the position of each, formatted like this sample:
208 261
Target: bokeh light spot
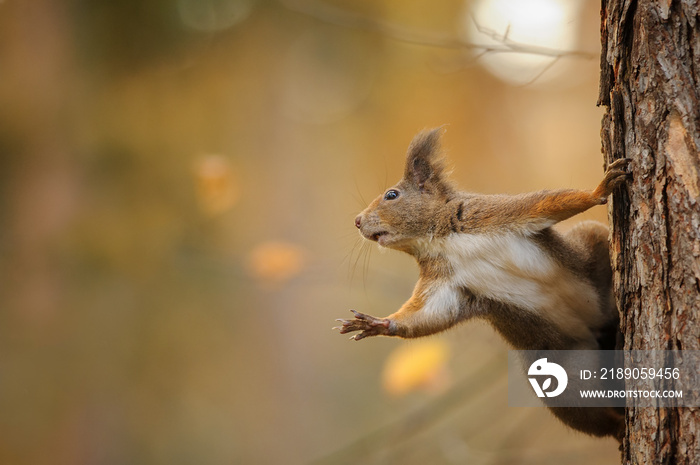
540 23
275 262
420 364
217 187
213 15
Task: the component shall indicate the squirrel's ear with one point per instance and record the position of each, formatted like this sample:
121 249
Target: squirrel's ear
424 164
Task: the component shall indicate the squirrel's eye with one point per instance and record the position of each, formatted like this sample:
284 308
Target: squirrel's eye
391 195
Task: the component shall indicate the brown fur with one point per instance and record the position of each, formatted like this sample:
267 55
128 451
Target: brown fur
485 255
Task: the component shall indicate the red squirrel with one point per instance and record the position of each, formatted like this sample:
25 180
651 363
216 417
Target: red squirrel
497 257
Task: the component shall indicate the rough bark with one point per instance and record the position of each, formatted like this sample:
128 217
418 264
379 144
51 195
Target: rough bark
650 87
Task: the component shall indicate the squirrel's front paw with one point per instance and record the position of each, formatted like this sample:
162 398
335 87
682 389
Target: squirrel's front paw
615 175
369 325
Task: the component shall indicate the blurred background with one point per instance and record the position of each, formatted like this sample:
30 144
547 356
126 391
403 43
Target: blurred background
178 184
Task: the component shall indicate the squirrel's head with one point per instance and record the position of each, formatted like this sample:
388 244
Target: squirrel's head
413 209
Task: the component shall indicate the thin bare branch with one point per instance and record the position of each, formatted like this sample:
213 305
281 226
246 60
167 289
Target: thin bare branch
344 18
516 47
541 73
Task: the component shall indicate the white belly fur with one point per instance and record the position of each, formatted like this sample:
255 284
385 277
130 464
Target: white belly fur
514 270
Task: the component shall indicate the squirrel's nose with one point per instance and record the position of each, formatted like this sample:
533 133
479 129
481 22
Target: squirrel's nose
358 221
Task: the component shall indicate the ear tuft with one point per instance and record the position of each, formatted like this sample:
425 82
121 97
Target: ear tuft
424 163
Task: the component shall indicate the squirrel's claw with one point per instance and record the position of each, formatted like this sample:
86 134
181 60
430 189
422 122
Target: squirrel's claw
616 173
620 163
367 324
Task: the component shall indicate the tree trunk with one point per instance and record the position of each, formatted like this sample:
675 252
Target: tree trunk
650 73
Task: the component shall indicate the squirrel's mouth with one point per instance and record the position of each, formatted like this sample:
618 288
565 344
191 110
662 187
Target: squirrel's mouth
382 237
375 237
